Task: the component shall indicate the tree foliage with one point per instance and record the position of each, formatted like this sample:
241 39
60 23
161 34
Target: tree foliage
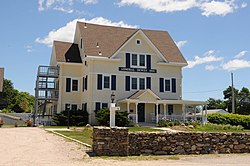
103 117
76 118
241 101
17 101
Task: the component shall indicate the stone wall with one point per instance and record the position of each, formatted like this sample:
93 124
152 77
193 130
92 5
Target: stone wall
110 141
118 142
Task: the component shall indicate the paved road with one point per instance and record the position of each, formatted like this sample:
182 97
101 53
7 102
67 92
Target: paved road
36 147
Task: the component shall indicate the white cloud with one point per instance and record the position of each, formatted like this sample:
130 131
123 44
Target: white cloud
181 43
65 6
29 48
210 67
241 54
218 8
65 10
207 7
207 58
66 33
90 1
244 5
161 5
236 64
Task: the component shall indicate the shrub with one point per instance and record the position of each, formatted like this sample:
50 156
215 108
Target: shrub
219 127
76 118
103 117
232 119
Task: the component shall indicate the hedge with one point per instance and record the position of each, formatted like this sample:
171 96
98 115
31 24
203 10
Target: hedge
232 119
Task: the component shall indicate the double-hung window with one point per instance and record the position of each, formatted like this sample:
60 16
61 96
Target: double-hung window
167 85
134 59
142 61
106 82
142 83
74 85
134 83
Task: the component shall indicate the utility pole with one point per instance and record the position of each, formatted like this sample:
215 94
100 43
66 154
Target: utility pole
232 78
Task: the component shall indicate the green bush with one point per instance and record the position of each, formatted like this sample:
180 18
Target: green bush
76 118
232 119
103 117
218 127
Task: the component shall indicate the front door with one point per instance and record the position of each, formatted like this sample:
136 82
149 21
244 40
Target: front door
141 112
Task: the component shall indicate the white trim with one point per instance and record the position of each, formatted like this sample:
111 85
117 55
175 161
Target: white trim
172 64
147 40
68 63
139 41
100 58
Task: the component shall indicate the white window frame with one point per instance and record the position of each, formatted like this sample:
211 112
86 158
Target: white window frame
72 85
132 83
109 81
139 41
138 83
138 60
170 89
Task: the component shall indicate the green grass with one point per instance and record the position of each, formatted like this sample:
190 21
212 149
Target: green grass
84 135
138 129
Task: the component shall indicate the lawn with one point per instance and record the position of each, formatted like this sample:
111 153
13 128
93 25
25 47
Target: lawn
218 128
84 134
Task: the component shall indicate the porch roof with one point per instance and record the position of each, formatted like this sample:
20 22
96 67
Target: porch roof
148 96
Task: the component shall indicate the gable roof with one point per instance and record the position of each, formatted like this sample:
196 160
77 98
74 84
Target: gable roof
67 52
110 39
139 93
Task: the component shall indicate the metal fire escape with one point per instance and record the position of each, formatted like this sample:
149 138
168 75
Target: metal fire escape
46 91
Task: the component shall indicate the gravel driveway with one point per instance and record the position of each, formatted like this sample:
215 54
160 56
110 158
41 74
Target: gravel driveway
36 147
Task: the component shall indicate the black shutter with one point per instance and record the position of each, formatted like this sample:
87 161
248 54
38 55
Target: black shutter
99 81
173 85
97 106
161 87
148 62
148 83
113 82
83 84
85 106
127 60
127 83
68 84
86 82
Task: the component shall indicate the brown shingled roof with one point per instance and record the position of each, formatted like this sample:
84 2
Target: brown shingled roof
110 39
67 52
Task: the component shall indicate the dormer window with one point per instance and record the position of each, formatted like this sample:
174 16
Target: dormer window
138 41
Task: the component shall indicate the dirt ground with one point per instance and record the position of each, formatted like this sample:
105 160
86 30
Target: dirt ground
36 147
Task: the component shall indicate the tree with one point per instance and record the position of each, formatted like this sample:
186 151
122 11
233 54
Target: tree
17 101
215 104
228 98
243 106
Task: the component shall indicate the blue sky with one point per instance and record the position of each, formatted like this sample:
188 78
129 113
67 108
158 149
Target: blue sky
213 35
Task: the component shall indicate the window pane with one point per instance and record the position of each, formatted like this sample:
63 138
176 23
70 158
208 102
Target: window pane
106 82
73 107
134 59
142 83
104 105
134 83
142 60
170 109
75 85
167 85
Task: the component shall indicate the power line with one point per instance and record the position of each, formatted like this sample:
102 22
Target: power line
208 91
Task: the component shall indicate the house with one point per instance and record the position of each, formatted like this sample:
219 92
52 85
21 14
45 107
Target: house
142 67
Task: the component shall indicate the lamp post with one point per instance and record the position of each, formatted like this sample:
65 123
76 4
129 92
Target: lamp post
68 106
112 97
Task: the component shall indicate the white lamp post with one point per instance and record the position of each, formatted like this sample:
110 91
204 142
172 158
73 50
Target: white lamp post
112 109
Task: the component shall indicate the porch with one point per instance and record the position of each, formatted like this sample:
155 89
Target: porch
146 107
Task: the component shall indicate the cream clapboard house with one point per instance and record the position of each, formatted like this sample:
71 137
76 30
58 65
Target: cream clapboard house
142 67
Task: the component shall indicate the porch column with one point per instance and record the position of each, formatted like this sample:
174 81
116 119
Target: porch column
157 117
165 111
202 115
205 114
136 113
128 110
184 112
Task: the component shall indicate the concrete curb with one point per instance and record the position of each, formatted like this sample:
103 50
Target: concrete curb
72 139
